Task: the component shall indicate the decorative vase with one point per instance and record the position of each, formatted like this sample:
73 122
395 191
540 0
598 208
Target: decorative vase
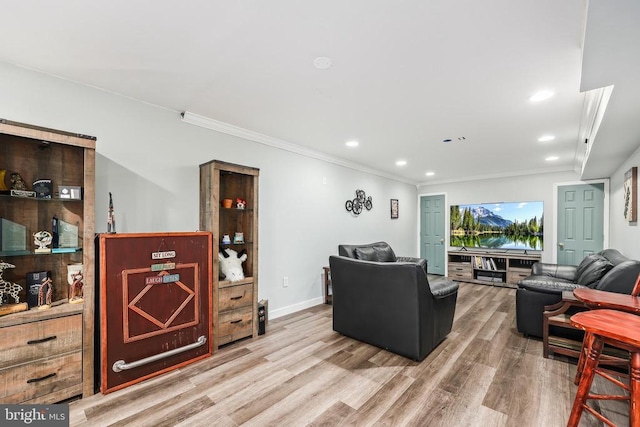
226 203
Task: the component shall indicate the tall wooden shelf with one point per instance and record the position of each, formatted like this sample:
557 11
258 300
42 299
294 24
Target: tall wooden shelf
47 355
490 267
235 304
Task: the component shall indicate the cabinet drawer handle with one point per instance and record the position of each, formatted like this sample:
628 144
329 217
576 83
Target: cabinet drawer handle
236 321
36 380
52 337
236 297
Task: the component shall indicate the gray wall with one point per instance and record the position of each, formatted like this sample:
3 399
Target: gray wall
625 236
511 189
148 158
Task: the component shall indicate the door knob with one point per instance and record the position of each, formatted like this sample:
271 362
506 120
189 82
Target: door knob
561 245
441 240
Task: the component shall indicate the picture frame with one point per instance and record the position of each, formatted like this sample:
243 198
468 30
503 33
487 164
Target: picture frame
630 193
394 208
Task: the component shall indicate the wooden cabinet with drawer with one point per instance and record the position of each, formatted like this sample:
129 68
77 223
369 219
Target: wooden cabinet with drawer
41 361
514 275
235 310
229 209
460 271
46 355
500 268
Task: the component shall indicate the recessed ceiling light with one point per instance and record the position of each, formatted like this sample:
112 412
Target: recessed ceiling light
322 62
430 173
401 162
546 138
351 144
552 158
541 96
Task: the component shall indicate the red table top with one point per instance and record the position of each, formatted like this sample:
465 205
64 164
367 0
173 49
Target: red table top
611 324
611 300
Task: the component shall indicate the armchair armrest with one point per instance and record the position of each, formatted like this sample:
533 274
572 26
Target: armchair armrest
566 272
442 288
420 261
409 259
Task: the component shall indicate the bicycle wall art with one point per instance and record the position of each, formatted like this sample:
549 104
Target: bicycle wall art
360 201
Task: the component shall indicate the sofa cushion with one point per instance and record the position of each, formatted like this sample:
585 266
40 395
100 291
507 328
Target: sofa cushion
591 270
366 253
384 253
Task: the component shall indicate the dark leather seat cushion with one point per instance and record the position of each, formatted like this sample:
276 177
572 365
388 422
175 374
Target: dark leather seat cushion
366 254
385 254
592 269
379 253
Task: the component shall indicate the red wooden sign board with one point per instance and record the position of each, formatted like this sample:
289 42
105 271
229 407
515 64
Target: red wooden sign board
153 321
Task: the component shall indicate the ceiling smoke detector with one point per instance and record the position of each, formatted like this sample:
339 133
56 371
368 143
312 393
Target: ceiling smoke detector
322 62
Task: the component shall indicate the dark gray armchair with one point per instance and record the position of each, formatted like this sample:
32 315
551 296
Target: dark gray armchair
388 301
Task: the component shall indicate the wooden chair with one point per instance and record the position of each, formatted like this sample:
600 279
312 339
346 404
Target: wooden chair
595 299
636 288
621 330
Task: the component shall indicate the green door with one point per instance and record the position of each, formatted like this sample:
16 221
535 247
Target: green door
580 221
432 232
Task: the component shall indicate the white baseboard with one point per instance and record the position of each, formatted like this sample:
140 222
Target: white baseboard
279 312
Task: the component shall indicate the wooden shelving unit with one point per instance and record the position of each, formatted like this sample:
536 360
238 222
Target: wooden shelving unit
47 355
560 337
235 304
490 268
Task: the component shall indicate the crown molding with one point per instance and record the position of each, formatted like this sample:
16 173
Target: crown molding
229 129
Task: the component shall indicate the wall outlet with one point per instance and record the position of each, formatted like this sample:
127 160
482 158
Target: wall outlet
285 282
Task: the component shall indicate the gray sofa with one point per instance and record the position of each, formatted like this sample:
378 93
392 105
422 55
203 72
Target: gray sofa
388 301
608 270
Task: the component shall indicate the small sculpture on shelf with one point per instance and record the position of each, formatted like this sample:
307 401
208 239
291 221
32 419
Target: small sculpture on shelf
45 293
74 278
8 288
240 203
111 217
238 237
42 239
231 264
226 240
17 183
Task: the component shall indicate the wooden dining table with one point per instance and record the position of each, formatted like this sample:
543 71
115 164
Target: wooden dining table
594 298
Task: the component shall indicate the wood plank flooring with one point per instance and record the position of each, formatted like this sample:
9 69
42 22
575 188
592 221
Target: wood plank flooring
302 373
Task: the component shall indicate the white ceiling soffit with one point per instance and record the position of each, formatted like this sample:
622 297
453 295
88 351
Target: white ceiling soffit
611 56
595 105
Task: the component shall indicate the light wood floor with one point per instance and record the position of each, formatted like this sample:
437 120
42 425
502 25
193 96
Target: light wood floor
303 373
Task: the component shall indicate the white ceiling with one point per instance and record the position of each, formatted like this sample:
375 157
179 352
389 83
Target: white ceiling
405 76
